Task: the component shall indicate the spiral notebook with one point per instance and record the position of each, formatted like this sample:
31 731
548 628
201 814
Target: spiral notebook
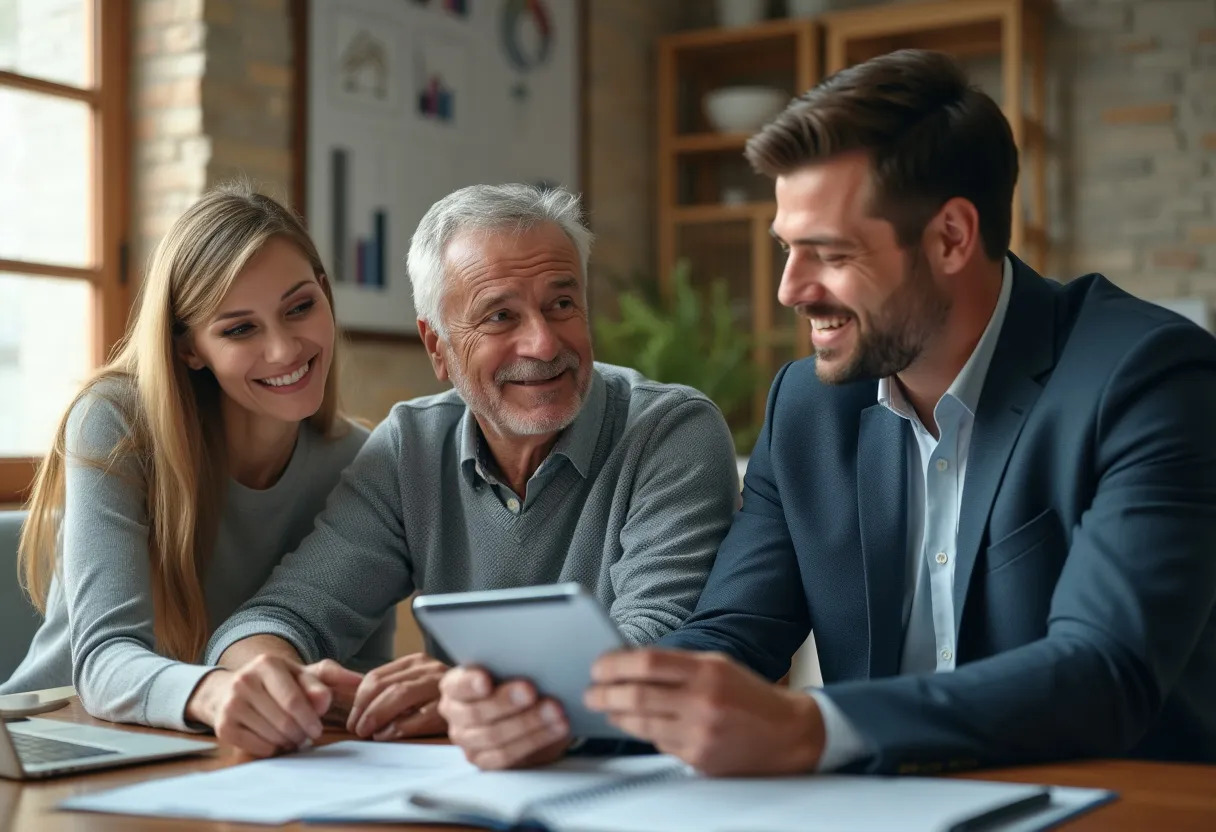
660 794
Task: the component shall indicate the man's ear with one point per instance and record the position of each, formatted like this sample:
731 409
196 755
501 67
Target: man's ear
954 236
184 345
430 341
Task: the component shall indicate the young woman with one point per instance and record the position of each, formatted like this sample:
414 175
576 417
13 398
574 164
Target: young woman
188 465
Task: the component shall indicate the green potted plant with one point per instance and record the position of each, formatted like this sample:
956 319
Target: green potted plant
687 337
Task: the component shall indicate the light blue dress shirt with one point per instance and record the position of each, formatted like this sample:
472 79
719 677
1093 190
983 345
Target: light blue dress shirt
937 469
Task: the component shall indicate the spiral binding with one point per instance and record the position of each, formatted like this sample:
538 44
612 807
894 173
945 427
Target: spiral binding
545 813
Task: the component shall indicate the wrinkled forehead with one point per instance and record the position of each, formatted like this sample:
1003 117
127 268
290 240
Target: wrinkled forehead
540 253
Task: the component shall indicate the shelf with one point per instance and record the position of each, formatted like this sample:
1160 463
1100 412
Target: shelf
1033 235
962 40
900 19
704 214
736 36
709 142
1035 136
962 29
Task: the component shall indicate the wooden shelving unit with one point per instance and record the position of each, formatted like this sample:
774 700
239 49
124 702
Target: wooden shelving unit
1012 30
696 163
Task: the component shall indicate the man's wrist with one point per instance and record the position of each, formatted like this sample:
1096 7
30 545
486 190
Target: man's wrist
810 735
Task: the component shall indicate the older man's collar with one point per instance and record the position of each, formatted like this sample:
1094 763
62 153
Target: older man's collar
472 454
576 443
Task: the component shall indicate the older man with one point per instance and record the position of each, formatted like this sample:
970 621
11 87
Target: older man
540 466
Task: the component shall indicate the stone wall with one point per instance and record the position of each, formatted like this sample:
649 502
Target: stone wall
1137 143
171 152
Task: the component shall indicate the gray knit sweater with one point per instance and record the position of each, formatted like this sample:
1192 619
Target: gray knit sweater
631 502
98 631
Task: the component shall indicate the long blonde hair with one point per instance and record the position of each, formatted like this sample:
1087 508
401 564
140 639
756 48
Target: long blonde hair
175 434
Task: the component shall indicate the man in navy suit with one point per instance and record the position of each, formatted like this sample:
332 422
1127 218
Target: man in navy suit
991 497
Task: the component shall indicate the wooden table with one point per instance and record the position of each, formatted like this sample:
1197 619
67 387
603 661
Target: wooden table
1151 795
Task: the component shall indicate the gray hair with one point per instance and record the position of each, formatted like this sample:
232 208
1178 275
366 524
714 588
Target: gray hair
490 208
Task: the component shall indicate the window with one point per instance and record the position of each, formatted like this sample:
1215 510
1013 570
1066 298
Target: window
63 212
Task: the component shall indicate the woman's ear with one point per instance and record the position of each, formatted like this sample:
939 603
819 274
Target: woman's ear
185 351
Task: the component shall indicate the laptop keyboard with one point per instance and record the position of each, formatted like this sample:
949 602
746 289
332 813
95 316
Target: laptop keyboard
39 750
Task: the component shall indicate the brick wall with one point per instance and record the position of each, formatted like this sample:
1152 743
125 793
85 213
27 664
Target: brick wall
211 101
247 91
1137 141
171 152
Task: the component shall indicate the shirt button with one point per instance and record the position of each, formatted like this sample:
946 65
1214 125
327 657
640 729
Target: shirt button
942 465
947 655
513 504
942 558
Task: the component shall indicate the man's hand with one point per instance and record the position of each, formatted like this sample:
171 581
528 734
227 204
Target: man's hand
399 699
507 726
268 705
342 683
713 714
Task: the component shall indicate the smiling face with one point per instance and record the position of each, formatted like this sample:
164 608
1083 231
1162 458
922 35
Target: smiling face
518 345
270 343
873 306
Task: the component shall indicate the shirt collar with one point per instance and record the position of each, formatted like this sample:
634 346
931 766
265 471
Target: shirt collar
969 382
576 443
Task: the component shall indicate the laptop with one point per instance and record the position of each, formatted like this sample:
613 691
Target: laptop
31 749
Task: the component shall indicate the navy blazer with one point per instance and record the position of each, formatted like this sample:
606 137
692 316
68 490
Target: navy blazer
1085 578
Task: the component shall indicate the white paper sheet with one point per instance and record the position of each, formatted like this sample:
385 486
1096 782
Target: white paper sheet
287 788
649 794
814 804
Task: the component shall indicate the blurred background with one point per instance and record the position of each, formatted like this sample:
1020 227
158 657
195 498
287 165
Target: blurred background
116 114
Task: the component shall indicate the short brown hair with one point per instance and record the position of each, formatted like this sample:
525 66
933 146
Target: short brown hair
931 136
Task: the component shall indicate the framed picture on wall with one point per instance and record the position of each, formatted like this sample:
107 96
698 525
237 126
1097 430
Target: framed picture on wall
407 100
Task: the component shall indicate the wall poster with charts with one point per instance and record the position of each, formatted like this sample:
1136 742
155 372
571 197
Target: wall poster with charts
408 100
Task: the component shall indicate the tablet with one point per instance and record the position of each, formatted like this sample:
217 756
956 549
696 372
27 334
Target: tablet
550 635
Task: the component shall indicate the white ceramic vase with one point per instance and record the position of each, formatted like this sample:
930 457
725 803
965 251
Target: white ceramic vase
740 12
806 8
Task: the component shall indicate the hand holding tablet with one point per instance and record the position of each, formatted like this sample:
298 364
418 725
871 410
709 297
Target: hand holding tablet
549 635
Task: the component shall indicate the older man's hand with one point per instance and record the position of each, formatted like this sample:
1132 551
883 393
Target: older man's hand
707 710
503 726
399 699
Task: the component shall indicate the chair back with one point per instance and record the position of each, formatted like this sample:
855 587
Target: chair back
18 618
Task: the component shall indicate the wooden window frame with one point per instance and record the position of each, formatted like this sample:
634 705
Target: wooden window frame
107 96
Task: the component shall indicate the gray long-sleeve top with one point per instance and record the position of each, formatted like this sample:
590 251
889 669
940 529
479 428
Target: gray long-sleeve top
98 632
632 502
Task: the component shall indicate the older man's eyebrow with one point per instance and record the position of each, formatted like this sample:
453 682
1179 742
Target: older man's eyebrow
568 282
496 299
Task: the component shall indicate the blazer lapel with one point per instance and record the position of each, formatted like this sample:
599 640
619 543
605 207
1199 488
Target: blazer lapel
882 505
1024 351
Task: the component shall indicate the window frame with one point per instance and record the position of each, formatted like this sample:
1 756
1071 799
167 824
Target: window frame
108 57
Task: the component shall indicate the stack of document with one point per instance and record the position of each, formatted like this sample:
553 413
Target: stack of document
354 782
285 789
